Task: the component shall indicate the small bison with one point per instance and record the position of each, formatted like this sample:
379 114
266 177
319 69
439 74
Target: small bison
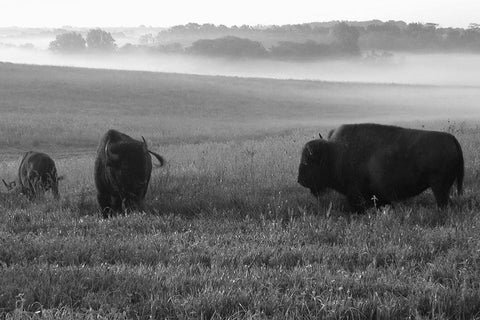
36 175
122 172
374 164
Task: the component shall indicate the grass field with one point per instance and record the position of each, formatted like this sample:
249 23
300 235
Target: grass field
228 233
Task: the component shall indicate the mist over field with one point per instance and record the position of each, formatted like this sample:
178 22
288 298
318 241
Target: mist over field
404 68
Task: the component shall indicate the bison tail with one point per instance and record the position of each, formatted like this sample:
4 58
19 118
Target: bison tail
159 157
460 168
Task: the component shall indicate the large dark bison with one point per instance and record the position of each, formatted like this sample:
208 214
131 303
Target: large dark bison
122 172
379 164
37 173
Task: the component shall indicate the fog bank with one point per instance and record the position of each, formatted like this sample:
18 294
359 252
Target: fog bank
434 69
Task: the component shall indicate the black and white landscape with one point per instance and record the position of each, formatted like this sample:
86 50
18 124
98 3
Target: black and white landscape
225 231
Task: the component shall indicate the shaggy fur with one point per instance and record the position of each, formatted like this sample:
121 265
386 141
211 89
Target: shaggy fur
122 172
388 162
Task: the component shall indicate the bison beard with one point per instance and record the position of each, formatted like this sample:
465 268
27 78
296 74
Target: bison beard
122 172
388 163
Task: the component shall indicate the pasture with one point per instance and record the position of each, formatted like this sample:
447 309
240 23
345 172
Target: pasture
228 232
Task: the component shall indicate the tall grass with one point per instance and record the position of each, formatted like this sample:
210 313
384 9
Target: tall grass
229 234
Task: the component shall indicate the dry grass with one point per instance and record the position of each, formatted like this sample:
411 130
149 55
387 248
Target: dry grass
228 233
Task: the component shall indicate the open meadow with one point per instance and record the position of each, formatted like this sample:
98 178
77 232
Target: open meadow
228 233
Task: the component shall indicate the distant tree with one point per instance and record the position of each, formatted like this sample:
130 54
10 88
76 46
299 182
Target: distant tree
474 26
389 28
177 28
384 36
302 28
400 24
472 37
423 36
228 47
192 26
346 38
452 38
68 42
100 40
146 39
208 27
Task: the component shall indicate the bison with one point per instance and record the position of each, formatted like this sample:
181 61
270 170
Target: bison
36 175
374 164
122 172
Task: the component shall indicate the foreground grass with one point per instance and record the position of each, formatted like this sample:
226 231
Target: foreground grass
237 238
397 264
228 233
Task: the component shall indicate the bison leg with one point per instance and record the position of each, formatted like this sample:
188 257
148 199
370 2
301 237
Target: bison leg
29 192
379 202
140 206
357 204
104 203
136 205
35 186
441 191
50 182
55 192
116 204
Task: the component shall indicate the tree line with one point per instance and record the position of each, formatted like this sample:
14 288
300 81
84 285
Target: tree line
74 42
344 43
373 35
302 41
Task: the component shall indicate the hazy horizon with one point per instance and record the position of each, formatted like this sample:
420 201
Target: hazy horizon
403 68
57 13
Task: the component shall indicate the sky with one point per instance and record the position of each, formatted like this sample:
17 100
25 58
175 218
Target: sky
108 13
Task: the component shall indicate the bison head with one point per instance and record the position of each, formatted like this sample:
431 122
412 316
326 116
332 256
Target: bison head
314 170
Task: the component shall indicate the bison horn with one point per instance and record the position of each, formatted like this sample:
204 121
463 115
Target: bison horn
144 143
320 135
111 157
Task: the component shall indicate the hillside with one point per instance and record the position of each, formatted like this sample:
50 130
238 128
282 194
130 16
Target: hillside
71 107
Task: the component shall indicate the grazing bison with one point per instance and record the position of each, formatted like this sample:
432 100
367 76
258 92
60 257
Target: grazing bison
122 172
376 164
37 173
